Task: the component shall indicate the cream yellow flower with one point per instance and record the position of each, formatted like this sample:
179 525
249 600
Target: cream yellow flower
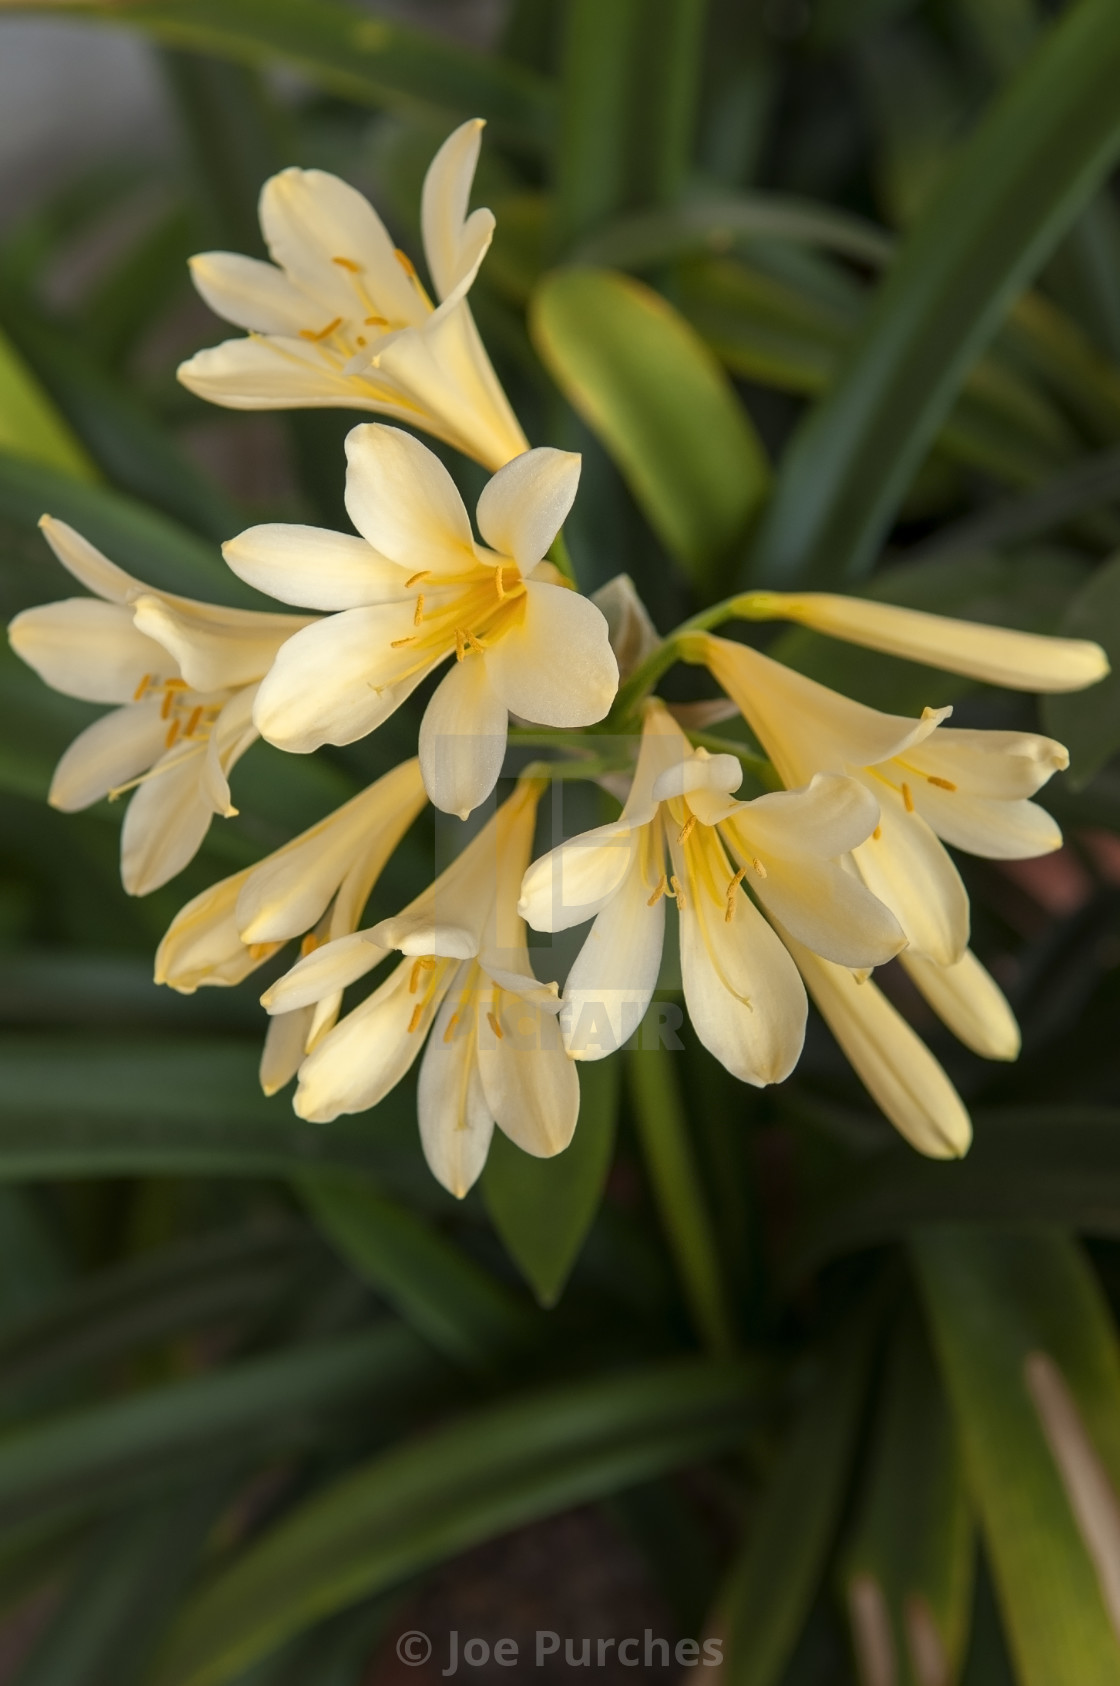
743 993
494 1054
1024 661
341 318
968 788
314 888
416 589
185 675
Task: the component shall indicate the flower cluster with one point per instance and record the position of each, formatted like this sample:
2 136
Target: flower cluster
798 892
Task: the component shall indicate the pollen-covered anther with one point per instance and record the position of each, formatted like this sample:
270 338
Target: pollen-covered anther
907 799
348 263
417 1015
687 829
419 615
451 1024
316 335
193 719
661 888
731 897
399 643
414 579
758 867
942 784
142 687
424 964
877 834
492 1021
678 893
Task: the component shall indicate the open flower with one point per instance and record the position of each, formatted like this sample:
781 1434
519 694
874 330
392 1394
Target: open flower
744 996
185 674
340 317
416 589
314 888
494 1052
969 788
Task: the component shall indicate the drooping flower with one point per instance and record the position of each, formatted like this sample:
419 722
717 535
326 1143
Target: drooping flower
494 1053
932 783
341 318
743 993
313 888
416 589
1023 661
184 677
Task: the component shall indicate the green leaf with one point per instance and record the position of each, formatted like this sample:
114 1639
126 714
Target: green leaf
663 1129
342 50
429 1499
440 1291
654 395
543 1208
1029 1355
1088 722
909 1561
714 224
106 1453
30 427
1014 188
770 1588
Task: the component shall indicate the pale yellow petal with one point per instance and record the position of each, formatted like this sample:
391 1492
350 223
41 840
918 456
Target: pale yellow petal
314 567
283 1049
88 564
463 738
368 1052
202 944
574 881
454 243
908 869
110 753
326 970
215 648
404 502
89 649
252 294
456 1122
530 1083
612 981
524 505
555 667
969 1001
167 820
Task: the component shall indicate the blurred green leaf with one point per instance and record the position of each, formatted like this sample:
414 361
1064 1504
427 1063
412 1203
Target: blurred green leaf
442 1293
476 1477
908 1564
1029 1355
1088 722
714 225
655 396
543 1208
343 50
1015 186
30 427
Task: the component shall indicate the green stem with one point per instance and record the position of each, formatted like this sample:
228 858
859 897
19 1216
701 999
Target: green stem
561 556
751 605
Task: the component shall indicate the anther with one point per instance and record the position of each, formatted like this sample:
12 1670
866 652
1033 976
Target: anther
377 321
261 951
475 642
309 944
419 615
908 799
192 724
412 578
362 339
877 833
424 964
396 643
687 829
451 1023
406 263
661 889
172 733
942 784
492 1021
348 263
323 333
142 687
678 893
758 866
417 1015
167 704
460 645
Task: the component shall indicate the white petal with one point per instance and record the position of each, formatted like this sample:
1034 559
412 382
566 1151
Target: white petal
233 733
215 649
456 1123
892 1062
524 505
286 894
967 998
632 633
327 969
744 996
701 773
314 567
909 870
403 501
804 727
1021 660
463 738
108 754
252 294
273 374
1000 831
574 881
283 1049
830 911
452 241
202 944
615 973
337 680
167 819
828 817
445 372
530 1083
556 666
1000 764
87 563
367 1053
309 218
89 649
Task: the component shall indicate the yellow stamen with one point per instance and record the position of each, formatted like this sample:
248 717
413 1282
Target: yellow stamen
142 687
662 889
451 1023
377 321
175 685
309 944
261 951
348 263
495 1026
396 643
166 705
419 615
678 893
460 645
406 263
323 333
172 734
942 784
877 833
424 964
758 866
195 716
731 897
362 339
687 829
475 642
412 578
499 583
908 799
417 1015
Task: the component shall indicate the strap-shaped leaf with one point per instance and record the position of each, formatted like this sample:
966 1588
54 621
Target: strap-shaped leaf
429 1499
343 49
1031 165
652 392
30 426
1029 1354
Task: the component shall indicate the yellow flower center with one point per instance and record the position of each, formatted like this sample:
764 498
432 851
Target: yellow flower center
466 613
